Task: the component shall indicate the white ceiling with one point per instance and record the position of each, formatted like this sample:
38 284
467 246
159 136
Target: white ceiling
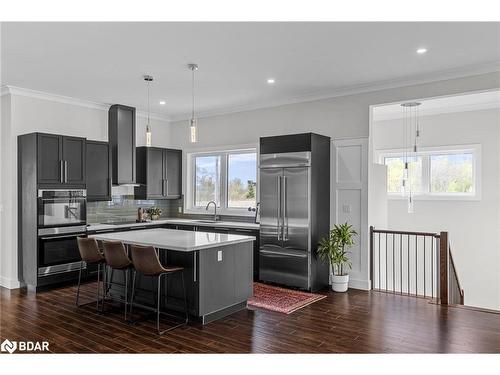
104 62
450 104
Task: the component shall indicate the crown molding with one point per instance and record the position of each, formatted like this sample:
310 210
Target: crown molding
21 91
490 67
441 110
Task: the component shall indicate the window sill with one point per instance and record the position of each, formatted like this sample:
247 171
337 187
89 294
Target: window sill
227 212
436 197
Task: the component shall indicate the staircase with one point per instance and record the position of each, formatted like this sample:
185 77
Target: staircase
418 264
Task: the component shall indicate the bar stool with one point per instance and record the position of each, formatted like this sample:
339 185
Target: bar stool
90 254
146 262
117 259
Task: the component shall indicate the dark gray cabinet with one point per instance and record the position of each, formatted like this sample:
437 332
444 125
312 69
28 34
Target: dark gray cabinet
98 171
159 173
121 131
173 184
60 160
74 158
49 160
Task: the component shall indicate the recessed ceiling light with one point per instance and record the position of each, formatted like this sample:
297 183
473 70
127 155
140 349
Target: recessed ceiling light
271 81
162 102
421 51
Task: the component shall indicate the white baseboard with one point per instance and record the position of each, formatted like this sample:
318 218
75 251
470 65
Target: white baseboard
9 283
359 284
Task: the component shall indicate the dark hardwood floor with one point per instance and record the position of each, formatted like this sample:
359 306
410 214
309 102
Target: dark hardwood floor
355 322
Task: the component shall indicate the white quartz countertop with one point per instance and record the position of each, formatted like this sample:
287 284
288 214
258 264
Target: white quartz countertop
198 223
173 239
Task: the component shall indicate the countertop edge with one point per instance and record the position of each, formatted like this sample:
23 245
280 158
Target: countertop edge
243 225
183 249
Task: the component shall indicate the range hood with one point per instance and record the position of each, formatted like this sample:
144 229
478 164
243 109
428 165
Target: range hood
121 135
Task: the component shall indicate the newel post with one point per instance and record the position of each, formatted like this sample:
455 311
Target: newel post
371 257
443 267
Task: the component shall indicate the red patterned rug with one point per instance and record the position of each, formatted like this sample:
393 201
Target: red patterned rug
280 299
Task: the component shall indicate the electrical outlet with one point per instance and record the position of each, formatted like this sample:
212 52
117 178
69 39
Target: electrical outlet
179 209
346 208
219 256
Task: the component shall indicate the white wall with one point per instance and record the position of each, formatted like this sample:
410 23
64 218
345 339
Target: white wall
339 117
24 114
474 226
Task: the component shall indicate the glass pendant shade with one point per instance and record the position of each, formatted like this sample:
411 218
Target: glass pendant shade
411 206
193 130
148 135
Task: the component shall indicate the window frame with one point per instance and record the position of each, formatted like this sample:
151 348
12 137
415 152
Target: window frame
425 153
190 191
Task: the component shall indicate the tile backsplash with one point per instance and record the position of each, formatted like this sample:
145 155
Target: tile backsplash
124 208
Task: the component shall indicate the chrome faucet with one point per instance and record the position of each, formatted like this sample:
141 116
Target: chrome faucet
215 209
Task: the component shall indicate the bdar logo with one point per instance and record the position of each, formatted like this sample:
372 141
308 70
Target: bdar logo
8 346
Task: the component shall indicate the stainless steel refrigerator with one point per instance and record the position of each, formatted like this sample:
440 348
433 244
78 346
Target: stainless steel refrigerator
289 218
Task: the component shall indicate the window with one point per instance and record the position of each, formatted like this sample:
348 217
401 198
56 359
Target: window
207 182
395 169
228 178
452 173
241 180
443 172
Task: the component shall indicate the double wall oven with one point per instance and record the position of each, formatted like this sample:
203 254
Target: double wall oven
61 219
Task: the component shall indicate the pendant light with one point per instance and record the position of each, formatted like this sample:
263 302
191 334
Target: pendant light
193 122
411 135
148 79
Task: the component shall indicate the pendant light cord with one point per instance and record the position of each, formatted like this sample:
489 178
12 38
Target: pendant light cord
192 90
149 107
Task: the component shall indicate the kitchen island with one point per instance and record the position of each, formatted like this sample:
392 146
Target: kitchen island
218 269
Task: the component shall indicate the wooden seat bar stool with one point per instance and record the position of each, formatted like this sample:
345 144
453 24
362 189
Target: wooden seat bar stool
147 263
90 254
117 259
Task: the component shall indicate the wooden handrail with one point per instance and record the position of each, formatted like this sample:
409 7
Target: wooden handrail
405 232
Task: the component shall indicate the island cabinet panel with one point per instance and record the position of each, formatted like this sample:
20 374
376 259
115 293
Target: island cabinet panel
225 277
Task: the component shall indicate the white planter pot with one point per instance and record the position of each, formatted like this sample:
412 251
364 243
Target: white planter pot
340 283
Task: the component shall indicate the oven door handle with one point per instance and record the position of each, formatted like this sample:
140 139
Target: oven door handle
66 236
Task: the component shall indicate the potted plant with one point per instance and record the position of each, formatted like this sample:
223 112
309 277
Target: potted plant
154 213
334 249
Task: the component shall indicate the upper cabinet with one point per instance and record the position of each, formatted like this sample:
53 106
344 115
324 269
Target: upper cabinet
98 171
173 183
159 171
60 160
121 127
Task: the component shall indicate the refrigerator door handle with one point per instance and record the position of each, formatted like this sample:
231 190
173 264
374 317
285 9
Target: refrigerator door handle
285 213
279 227
270 252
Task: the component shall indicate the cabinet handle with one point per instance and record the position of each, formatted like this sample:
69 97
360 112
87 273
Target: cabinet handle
163 187
65 171
166 183
61 171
